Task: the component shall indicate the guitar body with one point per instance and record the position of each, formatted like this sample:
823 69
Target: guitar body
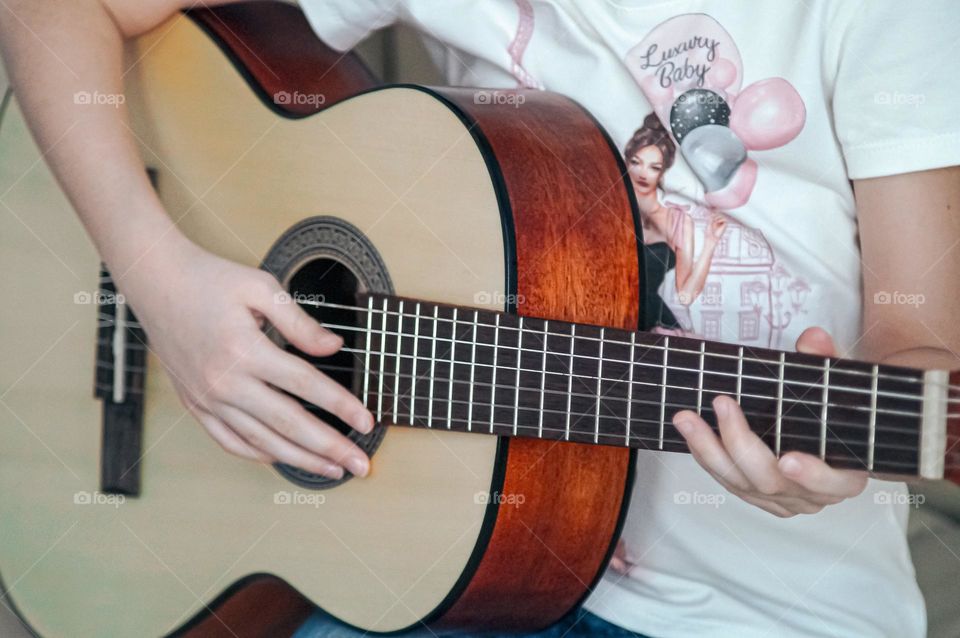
422 191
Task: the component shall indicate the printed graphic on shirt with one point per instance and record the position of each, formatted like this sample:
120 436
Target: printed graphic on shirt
702 264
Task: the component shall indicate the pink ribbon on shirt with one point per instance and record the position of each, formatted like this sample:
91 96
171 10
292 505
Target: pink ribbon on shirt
519 45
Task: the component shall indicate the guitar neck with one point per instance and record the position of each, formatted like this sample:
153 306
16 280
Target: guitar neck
438 366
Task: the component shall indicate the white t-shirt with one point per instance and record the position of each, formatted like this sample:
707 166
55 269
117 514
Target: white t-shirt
773 107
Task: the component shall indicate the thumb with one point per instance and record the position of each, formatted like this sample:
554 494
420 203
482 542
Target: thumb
816 341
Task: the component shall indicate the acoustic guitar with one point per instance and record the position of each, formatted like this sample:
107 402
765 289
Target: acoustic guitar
480 252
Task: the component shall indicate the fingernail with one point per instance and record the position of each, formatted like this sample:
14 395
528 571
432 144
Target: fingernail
684 425
358 466
365 423
789 465
720 407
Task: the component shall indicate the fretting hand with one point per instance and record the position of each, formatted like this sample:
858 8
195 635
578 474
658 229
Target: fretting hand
797 483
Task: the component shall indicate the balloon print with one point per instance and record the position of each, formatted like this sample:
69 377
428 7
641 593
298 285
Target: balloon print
691 72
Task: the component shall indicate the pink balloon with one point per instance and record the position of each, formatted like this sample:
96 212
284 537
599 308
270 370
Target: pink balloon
767 114
721 74
737 192
656 94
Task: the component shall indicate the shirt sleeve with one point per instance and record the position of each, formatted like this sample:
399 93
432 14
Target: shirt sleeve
344 23
896 100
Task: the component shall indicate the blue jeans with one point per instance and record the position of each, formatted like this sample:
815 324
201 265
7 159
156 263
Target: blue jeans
579 623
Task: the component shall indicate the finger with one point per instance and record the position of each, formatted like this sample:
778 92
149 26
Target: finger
289 419
296 326
709 451
259 435
296 376
767 505
749 453
819 478
816 341
228 439
619 565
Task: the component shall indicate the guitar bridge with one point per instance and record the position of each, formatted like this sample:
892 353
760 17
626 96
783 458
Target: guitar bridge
119 382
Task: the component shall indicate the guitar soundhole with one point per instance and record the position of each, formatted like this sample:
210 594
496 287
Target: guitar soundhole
323 262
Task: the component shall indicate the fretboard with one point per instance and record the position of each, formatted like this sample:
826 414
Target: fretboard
443 367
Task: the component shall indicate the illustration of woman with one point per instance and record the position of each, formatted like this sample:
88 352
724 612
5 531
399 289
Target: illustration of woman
668 230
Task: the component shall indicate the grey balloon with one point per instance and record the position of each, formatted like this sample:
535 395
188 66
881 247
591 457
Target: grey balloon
714 153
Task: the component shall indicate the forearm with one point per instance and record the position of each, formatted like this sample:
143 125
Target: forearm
910 248
55 50
691 285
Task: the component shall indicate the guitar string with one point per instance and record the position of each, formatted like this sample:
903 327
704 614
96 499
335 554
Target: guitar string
835 388
586 377
485 429
584 338
795 401
747 412
636 437
776 363
880 393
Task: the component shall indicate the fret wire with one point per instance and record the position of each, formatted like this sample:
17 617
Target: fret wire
596 421
383 356
633 338
712 354
825 406
780 405
366 365
663 391
433 363
873 417
396 396
496 350
473 367
516 393
688 406
850 389
453 356
573 334
416 353
703 346
740 371
543 377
